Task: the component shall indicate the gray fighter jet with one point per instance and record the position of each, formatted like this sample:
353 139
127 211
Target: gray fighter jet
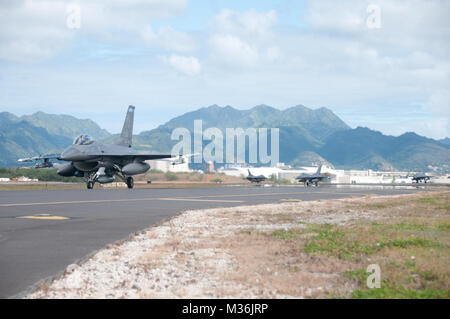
421 178
255 179
99 162
315 178
45 164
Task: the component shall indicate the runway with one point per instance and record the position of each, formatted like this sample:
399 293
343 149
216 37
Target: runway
41 232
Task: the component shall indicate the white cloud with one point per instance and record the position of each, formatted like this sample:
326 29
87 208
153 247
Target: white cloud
31 30
166 38
439 103
434 128
330 58
187 65
243 39
337 16
247 23
233 50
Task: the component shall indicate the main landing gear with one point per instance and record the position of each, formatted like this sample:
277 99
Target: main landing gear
130 182
307 183
104 178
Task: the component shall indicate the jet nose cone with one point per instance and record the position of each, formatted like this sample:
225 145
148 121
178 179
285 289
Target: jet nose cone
71 154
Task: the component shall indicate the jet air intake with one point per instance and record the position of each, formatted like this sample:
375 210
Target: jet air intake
135 168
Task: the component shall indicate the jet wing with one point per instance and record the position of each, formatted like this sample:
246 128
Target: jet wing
144 157
38 158
139 157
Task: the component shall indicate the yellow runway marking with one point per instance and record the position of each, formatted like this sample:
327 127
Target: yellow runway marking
45 217
168 198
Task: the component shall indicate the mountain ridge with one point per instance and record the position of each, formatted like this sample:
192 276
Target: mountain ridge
307 136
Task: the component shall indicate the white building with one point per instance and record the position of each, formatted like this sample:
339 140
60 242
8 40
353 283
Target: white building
26 179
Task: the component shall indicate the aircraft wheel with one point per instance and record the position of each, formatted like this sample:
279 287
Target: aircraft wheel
130 182
90 185
317 184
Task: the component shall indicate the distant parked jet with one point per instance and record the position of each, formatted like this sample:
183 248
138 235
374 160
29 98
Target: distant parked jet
255 179
421 178
99 162
45 164
315 178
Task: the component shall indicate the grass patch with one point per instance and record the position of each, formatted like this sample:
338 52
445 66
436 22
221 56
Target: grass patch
285 234
333 240
383 205
400 293
441 201
359 275
413 227
403 243
412 255
444 227
410 243
403 226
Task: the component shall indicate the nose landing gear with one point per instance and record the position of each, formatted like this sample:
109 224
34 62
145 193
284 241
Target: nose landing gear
90 180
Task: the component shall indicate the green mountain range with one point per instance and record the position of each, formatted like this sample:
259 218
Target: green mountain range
307 137
65 125
301 129
311 136
40 133
364 148
21 139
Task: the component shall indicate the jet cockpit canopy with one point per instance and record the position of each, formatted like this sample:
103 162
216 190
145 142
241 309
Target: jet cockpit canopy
83 139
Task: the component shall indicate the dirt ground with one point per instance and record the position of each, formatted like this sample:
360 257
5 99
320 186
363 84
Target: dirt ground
318 249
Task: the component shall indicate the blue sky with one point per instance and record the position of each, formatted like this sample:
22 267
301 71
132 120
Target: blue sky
169 57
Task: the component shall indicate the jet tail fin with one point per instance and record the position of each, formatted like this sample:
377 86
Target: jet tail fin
319 169
249 174
126 137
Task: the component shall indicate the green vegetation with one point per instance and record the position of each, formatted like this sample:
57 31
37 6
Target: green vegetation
443 202
333 240
40 133
170 176
387 292
285 234
305 135
412 252
65 125
47 174
308 136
